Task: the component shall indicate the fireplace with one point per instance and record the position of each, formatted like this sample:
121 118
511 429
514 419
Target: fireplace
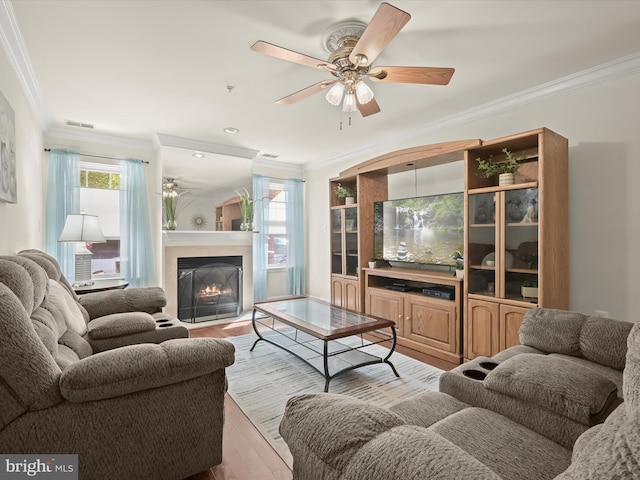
209 288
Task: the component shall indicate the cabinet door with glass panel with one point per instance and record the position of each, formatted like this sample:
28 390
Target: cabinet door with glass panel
519 277
503 244
344 241
336 241
483 237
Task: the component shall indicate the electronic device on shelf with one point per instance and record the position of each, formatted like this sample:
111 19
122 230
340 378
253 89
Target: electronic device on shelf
446 293
399 287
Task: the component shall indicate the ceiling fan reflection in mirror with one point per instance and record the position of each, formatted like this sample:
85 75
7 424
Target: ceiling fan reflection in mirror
353 47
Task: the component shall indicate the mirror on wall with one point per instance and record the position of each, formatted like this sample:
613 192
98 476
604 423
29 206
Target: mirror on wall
196 184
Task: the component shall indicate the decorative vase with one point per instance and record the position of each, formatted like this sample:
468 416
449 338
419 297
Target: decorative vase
172 224
460 273
372 264
246 226
349 200
506 179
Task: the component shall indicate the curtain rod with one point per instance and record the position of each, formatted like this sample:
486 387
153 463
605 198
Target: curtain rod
101 156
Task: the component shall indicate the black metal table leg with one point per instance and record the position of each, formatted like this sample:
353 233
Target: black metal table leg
255 329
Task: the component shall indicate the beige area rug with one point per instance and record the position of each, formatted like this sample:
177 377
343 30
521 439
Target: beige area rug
260 382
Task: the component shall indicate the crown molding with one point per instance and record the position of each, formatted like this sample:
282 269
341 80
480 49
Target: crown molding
14 45
288 167
77 135
601 73
201 146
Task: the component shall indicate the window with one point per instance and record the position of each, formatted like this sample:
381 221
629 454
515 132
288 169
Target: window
278 240
100 195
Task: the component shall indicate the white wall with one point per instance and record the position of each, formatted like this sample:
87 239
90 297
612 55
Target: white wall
601 124
21 224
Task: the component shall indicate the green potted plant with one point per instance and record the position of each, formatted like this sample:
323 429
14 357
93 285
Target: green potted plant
457 256
343 192
372 262
505 170
529 288
460 267
246 210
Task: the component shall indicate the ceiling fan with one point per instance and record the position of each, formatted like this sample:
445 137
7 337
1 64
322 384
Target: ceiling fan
354 46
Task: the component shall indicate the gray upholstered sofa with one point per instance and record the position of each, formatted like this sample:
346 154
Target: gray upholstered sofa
144 410
113 318
516 416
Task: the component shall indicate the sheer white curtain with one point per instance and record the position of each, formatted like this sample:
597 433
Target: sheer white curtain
136 257
261 238
63 198
294 208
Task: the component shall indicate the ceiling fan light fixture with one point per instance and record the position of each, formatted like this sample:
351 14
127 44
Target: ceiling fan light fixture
363 92
349 104
335 93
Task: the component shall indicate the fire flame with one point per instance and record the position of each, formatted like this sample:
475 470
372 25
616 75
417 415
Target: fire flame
214 291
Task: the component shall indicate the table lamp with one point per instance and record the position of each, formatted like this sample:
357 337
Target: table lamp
82 228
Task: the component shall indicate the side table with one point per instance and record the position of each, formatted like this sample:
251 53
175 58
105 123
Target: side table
101 286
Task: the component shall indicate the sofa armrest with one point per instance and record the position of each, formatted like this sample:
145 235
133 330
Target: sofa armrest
424 454
559 385
141 367
118 324
332 427
147 299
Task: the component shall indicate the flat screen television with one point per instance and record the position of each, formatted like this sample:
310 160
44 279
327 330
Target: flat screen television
427 230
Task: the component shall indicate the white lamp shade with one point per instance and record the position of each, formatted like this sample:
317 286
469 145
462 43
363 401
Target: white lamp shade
349 104
334 95
82 228
363 92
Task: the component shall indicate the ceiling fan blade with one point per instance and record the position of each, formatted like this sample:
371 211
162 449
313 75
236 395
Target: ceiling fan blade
368 108
305 92
424 75
291 56
383 27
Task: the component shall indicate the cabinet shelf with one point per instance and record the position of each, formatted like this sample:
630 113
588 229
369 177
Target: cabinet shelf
520 224
516 186
342 207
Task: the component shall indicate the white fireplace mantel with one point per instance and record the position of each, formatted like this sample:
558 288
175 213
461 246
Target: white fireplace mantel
205 237
187 243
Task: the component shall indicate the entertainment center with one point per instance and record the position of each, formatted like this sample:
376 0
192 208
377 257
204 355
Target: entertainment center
514 236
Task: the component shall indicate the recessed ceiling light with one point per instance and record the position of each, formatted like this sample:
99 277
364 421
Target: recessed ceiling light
231 130
198 155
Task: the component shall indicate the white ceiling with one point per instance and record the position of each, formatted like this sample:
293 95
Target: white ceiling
138 68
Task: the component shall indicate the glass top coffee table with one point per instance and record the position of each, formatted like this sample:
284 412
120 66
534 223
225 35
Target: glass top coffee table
324 336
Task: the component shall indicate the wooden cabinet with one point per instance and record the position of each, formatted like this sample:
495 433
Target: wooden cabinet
345 289
386 304
427 324
228 215
482 329
515 235
345 293
510 320
352 236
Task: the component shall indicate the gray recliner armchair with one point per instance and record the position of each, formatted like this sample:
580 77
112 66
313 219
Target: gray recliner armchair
136 411
113 318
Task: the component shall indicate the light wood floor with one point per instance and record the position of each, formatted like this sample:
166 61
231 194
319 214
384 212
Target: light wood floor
246 453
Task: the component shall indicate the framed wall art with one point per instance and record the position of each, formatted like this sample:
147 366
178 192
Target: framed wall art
8 183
